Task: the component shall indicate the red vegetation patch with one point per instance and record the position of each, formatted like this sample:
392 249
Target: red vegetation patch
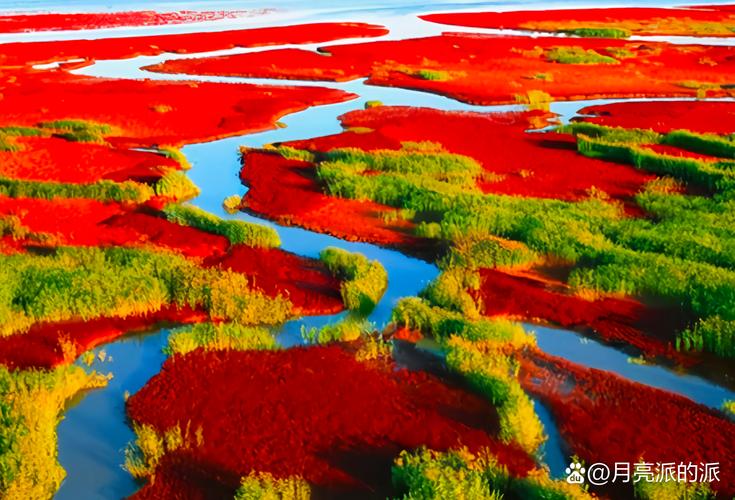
697 116
605 418
54 159
143 228
82 222
47 345
68 221
305 282
615 320
19 23
683 153
9 245
534 164
313 412
485 69
287 191
147 112
27 53
295 64
638 21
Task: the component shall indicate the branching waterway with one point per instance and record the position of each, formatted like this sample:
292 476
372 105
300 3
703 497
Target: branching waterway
95 431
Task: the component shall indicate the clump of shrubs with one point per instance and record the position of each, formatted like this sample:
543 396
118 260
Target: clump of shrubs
87 283
265 486
236 231
714 335
432 475
232 204
220 336
364 281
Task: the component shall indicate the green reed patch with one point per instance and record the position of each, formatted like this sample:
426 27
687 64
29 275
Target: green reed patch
218 337
236 231
78 130
714 335
175 185
10 225
712 176
431 475
31 403
577 55
415 158
682 254
708 144
364 281
262 485
87 283
349 329
477 250
474 349
104 190
597 32
432 74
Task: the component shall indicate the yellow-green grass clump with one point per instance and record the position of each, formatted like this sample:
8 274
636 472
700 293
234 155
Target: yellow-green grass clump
535 99
492 373
103 190
713 176
480 352
236 231
31 403
371 344
719 146
265 486
440 324
459 474
672 490
415 161
232 204
349 329
142 456
175 185
10 225
363 281
714 335
577 55
78 130
8 135
87 283
176 155
432 74
597 32
450 291
220 336
478 250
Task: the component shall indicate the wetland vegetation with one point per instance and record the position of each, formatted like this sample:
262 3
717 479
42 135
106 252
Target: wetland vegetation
234 410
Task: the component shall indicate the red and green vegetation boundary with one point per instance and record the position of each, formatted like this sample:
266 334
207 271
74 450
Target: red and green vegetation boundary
606 251
109 262
612 225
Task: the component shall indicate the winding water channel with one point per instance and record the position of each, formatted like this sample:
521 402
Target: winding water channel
94 432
